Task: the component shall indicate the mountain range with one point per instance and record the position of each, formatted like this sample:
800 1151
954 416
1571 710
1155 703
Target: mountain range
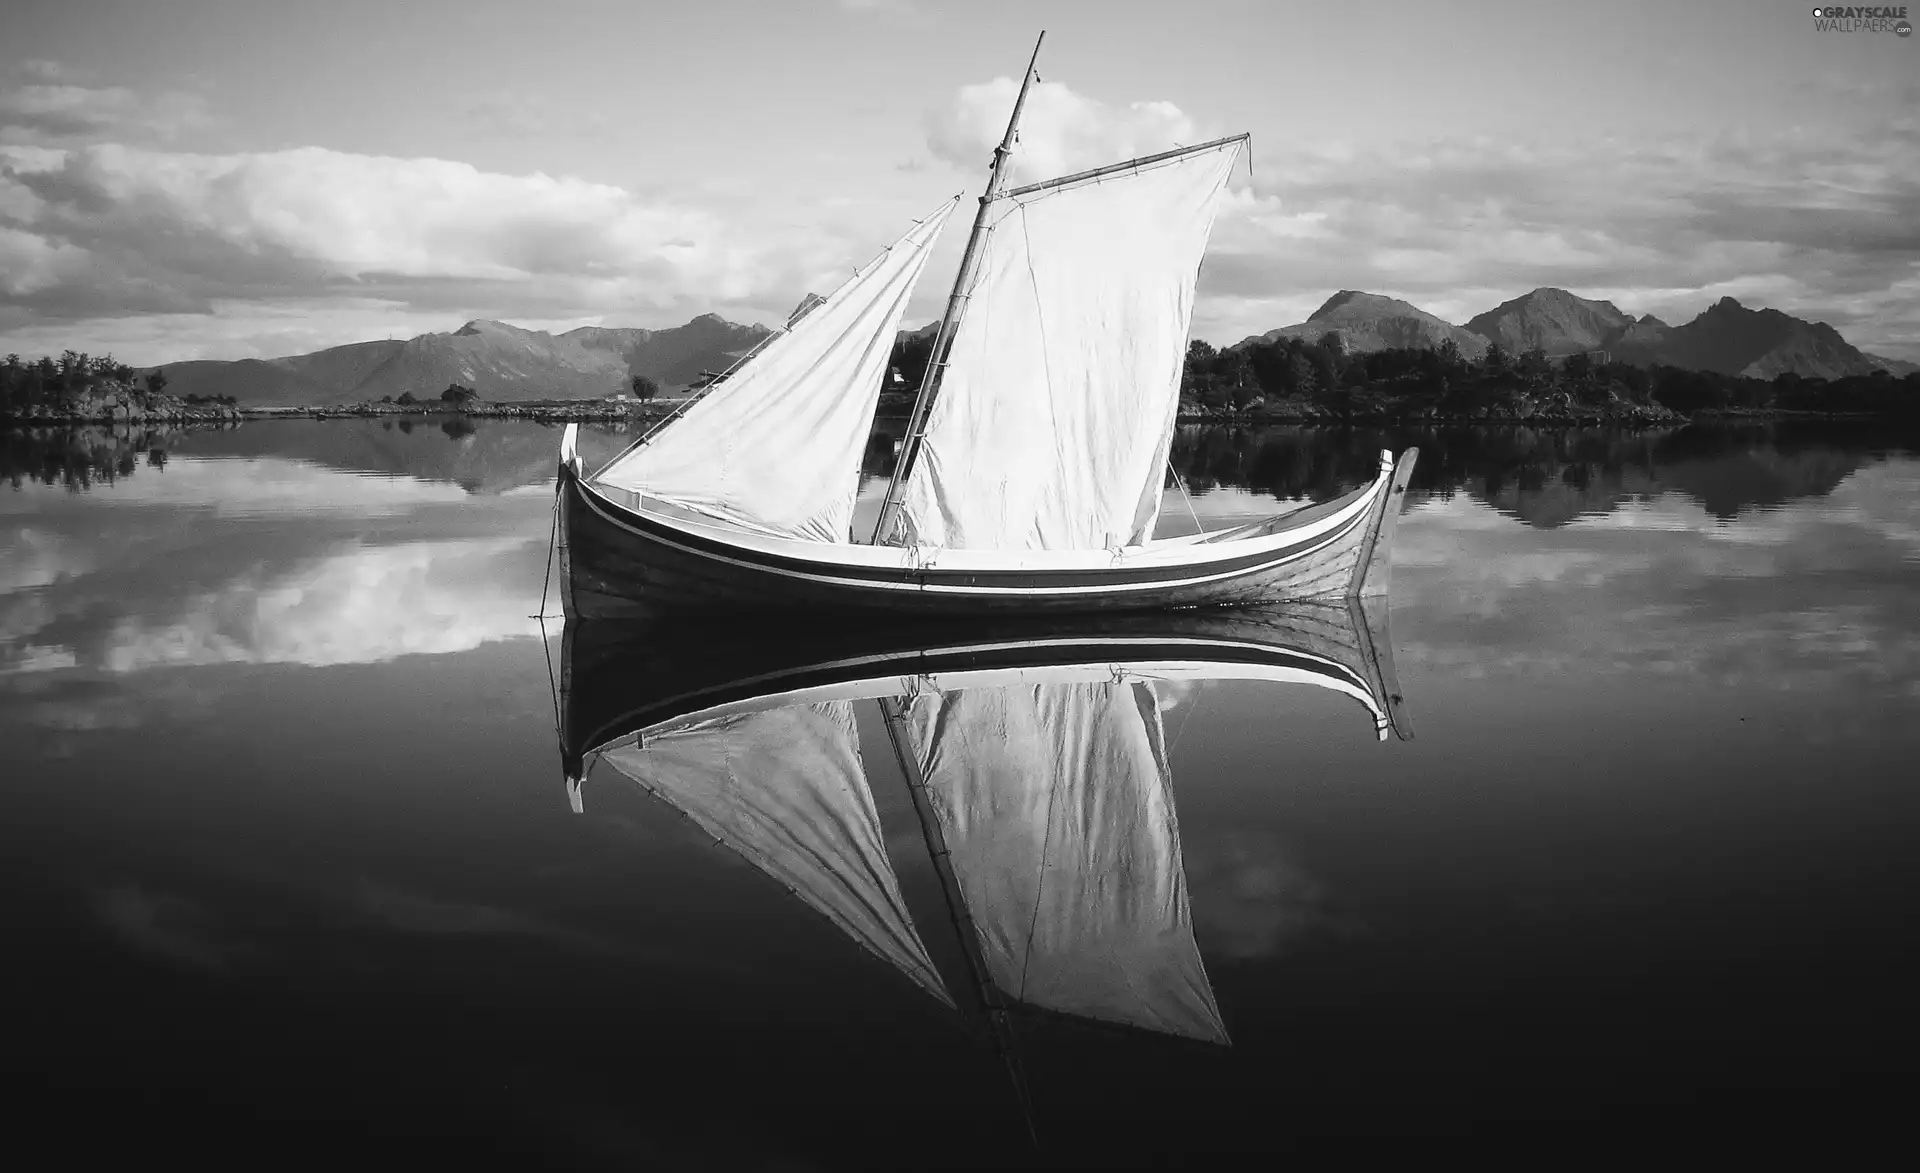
505 363
1727 337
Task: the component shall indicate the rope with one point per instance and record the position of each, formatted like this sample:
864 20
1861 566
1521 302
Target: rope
1193 703
553 684
553 534
1178 480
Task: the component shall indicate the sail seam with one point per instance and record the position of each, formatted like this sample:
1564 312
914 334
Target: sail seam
1046 350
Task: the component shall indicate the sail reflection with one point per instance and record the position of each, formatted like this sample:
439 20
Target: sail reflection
1037 762
784 788
1054 804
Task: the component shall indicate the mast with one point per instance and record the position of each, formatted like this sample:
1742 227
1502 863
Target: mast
956 304
992 1006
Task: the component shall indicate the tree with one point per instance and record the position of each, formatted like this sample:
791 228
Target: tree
1325 361
157 381
644 388
458 396
1234 379
1535 369
1300 374
1578 366
406 399
911 354
1196 372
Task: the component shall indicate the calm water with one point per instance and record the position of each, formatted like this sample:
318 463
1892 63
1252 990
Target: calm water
290 869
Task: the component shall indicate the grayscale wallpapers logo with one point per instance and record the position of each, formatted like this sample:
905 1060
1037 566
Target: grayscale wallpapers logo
1870 19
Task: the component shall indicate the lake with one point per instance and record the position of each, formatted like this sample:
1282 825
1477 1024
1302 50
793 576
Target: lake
292 872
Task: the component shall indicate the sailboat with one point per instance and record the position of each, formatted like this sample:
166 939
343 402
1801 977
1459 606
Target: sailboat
1034 754
1031 473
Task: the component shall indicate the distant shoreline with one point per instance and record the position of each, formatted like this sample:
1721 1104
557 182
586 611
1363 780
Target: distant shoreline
127 406
1285 415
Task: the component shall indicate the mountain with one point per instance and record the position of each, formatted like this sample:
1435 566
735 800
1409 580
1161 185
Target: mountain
503 363
1552 319
804 308
1641 343
1893 366
1727 338
1733 340
1368 321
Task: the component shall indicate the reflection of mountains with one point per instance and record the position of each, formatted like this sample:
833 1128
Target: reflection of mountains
1546 478
1035 757
478 455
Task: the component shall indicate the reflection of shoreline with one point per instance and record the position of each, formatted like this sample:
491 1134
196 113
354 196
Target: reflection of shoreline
1545 477
79 456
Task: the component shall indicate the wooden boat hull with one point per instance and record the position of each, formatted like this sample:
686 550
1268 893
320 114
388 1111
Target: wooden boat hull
618 562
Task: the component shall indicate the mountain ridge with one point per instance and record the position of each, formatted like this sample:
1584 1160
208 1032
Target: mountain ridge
1373 321
1556 321
503 362
1726 337
508 363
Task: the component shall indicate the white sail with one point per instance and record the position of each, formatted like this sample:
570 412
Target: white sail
785 789
1056 806
1052 422
776 448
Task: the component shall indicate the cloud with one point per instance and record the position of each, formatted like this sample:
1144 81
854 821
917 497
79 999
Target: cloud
1826 228
110 231
1250 899
1810 596
357 606
55 105
1822 224
1061 131
131 579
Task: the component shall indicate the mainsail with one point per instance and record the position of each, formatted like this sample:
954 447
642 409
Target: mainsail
776 448
1056 807
785 789
1056 408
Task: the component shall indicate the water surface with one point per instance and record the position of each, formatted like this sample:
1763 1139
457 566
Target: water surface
288 859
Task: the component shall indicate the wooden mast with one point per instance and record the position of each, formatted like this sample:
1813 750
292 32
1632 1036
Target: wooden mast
992 1006
956 304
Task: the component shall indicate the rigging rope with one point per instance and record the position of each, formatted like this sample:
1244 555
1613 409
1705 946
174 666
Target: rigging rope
553 534
1178 480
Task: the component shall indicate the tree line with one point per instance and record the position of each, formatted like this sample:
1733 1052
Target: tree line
58 382
53 381
1324 373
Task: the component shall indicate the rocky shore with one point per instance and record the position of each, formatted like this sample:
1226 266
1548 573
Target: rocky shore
122 404
581 411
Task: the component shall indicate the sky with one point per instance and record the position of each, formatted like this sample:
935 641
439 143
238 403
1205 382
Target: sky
249 178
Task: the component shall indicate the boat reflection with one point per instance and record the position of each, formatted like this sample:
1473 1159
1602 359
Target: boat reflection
1037 762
